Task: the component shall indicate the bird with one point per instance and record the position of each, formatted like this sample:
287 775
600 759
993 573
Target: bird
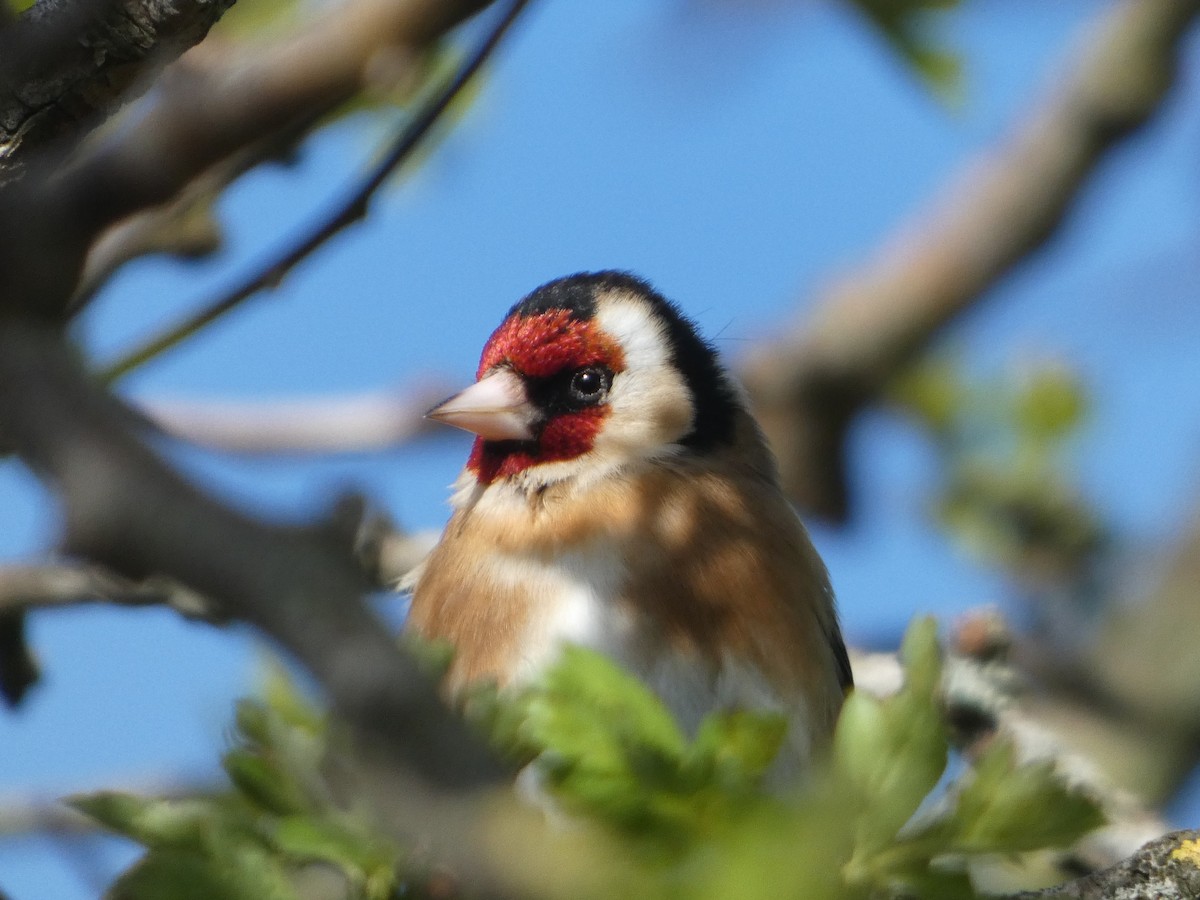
620 496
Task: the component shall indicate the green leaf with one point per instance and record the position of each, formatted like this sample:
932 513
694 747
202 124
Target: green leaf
252 722
151 821
502 720
364 857
735 749
264 782
281 696
433 655
1006 808
892 752
241 874
591 714
933 390
932 883
173 875
280 748
611 750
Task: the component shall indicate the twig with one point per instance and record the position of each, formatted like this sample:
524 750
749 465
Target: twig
63 583
356 423
349 210
67 583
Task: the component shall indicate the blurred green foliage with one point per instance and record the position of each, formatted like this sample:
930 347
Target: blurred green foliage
1006 492
692 816
259 838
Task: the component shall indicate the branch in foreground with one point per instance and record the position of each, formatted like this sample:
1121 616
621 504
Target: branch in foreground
65 583
384 553
205 108
1165 869
63 63
869 325
386 556
24 587
127 510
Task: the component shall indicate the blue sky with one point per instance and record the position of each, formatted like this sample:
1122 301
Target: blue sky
736 154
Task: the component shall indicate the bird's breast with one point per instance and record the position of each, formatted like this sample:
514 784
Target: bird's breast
510 615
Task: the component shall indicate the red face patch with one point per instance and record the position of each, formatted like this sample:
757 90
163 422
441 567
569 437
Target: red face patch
537 347
543 345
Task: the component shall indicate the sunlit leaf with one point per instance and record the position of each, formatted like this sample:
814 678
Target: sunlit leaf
152 821
737 748
264 782
893 751
242 874
365 858
1008 808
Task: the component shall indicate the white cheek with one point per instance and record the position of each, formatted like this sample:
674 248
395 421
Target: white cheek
650 409
640 336
650 402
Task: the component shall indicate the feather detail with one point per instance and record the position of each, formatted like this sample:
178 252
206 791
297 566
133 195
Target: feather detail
693 572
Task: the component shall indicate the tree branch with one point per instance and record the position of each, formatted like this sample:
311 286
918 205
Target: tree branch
211 104
808 386
370 421
128 511
350 209
65 583
1165 869
65 63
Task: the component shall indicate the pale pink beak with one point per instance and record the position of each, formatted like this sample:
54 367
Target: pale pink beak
496 408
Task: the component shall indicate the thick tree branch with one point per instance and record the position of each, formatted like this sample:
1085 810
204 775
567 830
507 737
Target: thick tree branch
385 554
65 63
213 103
1165 869
127 510
808 386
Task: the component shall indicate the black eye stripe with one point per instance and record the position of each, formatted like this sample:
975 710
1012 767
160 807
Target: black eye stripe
716 402
570 390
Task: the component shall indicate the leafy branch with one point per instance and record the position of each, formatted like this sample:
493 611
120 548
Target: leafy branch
688 815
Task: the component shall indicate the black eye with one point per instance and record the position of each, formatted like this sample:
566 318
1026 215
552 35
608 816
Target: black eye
590 386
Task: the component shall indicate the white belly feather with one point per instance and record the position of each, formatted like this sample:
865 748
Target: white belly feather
580 592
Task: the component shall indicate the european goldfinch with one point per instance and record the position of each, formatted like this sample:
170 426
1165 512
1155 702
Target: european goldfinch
620 496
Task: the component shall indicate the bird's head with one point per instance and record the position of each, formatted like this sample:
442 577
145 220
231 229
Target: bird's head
586 375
